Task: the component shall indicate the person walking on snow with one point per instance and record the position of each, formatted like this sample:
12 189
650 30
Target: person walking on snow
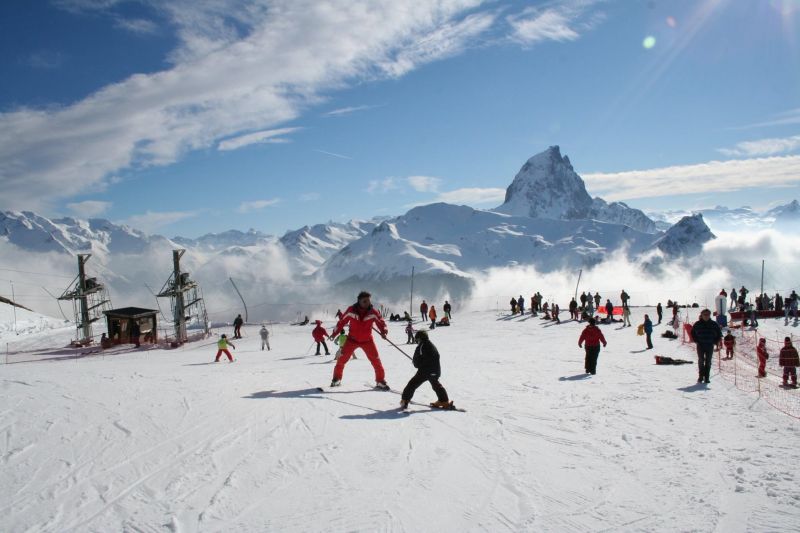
410 333
789 360
222 348
648 331
626 316
426 361
361 317
423 309
591 337
319 335
763 355
707 334
432 316
447 308
237 327
264 333
729 341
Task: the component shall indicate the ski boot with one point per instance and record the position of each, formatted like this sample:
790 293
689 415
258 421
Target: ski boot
336 382
403 405
381 385
442 405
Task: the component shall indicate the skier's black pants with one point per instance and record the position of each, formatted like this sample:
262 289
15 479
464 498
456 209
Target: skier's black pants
410 339
325 346
418 379
592 352
649 341
704 356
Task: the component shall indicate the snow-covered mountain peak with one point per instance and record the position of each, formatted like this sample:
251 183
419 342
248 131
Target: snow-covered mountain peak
686 238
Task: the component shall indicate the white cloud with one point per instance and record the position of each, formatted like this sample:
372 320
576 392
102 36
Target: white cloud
785 118
556 22
473 196
255 205
342 111
333 154
141 26
45 59
258 137
763 147
239 67
726 176
424 183
152 220
382 186
89 208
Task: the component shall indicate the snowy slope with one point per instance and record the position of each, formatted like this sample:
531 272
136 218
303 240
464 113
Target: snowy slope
721 218
548 187
310 246
27 322
162 440
686 238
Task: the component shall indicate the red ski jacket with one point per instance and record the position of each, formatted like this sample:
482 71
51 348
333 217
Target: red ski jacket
361 321
592 336
319 334
729 341
762 352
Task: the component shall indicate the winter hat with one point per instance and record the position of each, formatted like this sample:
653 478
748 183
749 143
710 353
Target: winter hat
787 340
319 322
421 335
224 336
592 321
762 340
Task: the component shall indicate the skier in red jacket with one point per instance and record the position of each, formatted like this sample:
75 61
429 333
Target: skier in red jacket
763 355
319 335
592 337
361 316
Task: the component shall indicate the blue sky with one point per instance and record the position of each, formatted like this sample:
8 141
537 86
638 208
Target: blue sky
191 117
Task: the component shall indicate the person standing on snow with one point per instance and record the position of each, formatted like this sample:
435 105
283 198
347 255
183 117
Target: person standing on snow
624 297
610 311
432 316
340 340
136 332
763 355
626 316
361 317
222 348
447 308
573 309
319 335
423 309
409 332
789 360
583 300
264 333
707 334
513 303
729 341
426 361
591 337
660 312
521 304
237 327
648 331
734 300
597 299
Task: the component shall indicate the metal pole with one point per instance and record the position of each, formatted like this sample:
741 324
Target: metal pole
180 319
762 278
14 306
577 284
84 300
240 297
411 300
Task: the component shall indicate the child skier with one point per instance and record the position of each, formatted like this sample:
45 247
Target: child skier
410 333
426 361
763 355
222 348
264 337
432 316
729 341
319 335
789 360
340 340
237 327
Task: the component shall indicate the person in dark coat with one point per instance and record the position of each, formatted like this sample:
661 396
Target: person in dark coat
648 331
583 299
447 308
789 360
706 334
136 332
591 337
237 327
610 311
624 297
426 361
660 312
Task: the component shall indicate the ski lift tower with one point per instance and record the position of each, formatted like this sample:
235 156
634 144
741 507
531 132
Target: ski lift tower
188 307
89 299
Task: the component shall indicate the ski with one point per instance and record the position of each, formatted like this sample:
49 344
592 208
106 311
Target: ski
430 405
450 407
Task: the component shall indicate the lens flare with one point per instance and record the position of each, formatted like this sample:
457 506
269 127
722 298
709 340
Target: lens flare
671 22
649 42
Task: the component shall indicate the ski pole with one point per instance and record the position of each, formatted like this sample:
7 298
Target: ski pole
393 344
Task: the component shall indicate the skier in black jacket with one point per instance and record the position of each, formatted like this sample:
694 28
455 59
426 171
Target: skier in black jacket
426 361
707 334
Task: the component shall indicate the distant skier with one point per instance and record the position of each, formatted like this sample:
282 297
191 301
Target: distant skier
423 309
319 333
626 317
624 297
447 308
648 331
521 304
432 316
409 333
591 337
426 361
339 314
340 340
706 334
264 334
583 299
513 303
597 300
237 327
729 341
573 309
222 348
660 312
610 311
556 312
763 355
789 360
360 317
675 310
734 300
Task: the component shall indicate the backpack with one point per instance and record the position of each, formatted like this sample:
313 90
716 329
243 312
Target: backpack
640 330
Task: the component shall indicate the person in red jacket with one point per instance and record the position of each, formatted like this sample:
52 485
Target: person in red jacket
432 316
319 335
763 355
423 309
361 317
591 337
729 341
789 360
